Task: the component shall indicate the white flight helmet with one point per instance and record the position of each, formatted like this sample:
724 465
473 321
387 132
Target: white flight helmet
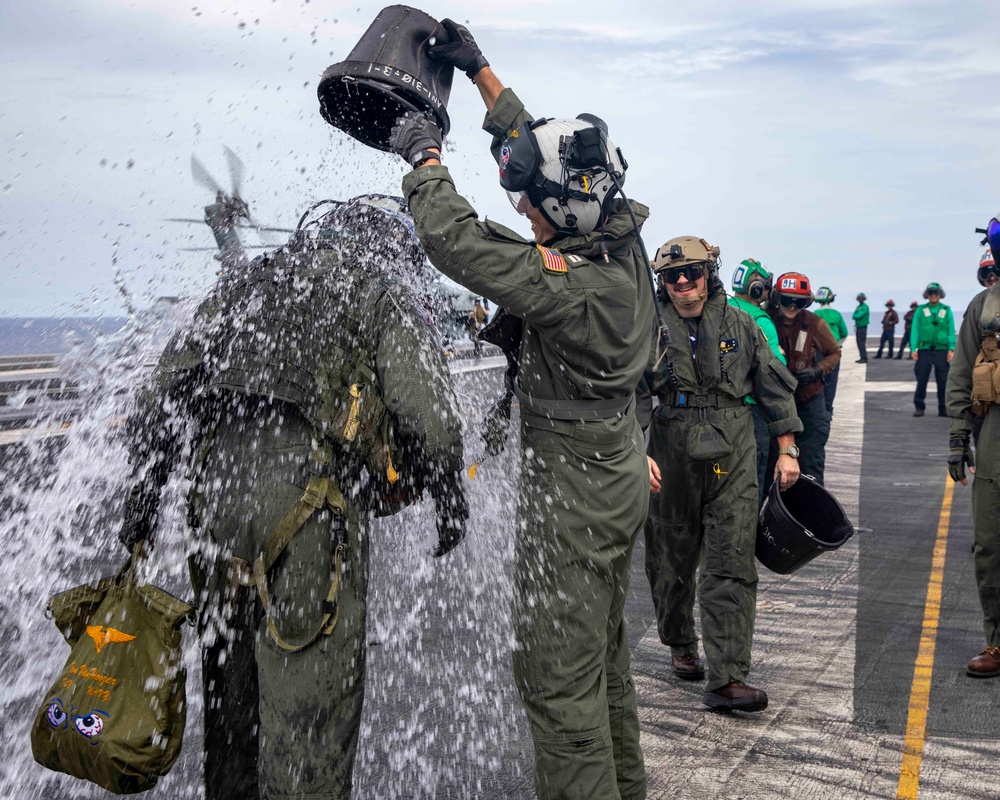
567 168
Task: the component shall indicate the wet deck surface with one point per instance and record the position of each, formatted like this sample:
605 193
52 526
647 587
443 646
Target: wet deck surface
835 647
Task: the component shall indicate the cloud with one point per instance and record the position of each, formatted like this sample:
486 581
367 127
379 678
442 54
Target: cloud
847 138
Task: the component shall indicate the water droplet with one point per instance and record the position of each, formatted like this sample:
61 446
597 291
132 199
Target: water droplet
19 135
8 187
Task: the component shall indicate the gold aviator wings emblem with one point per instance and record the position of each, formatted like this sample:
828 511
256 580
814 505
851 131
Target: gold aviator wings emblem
103 636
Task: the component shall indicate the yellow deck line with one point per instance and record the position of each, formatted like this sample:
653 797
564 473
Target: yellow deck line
920 692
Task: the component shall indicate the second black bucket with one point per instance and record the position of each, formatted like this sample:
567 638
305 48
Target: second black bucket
386 74
799 524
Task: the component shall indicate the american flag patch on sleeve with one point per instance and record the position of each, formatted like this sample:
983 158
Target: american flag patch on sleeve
552 260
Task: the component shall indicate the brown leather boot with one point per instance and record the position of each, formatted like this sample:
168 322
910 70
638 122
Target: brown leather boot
689 667
986 664
736 696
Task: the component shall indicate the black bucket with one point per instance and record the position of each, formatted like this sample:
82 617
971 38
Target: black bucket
799 524
386 74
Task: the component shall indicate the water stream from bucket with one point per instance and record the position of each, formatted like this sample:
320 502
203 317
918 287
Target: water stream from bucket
441 719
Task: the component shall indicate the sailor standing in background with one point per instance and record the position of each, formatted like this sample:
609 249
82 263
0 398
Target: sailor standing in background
861 317
838 327
932 346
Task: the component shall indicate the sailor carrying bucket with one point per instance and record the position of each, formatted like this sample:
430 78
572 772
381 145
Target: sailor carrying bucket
798 524
387 74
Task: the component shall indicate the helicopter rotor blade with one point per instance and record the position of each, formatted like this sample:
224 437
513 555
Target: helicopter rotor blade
202 176
194 221
237 169
268 228
216 249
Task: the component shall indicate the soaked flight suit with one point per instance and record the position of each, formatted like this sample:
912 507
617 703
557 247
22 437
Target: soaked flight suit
986 481
260 373
706 512
584 481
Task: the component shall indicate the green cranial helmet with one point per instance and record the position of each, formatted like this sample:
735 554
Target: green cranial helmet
825 295
933 288
752 279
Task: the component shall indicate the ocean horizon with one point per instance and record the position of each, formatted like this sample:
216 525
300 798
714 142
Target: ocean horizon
52 335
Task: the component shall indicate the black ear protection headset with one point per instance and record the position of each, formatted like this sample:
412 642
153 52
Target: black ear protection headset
758 286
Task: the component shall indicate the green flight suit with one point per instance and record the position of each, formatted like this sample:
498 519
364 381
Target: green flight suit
584 482
260 377
706 512
986 481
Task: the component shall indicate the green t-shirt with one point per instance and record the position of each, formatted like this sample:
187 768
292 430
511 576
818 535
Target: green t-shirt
764 322
835 320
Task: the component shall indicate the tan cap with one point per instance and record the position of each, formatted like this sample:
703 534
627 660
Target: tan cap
685 250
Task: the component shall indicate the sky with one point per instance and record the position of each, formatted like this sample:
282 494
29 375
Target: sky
852 140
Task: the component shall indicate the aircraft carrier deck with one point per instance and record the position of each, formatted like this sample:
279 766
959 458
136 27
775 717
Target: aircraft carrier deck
862 652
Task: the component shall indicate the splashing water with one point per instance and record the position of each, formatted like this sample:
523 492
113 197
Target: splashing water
441 718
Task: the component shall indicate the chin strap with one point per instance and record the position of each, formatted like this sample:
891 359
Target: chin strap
687 302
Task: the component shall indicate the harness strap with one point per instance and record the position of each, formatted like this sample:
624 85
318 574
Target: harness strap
320 492
571 409
690 400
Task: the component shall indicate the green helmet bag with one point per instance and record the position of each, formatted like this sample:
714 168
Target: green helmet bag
115 715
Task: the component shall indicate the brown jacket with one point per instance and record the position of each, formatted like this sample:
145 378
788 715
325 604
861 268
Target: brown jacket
890 319
803 338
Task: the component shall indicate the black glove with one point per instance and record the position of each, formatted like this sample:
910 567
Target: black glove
413 135
496 425
452 511
959 454
808 375
139 518
453 44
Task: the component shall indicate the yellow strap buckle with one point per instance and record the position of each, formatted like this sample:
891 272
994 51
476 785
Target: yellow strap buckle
354 416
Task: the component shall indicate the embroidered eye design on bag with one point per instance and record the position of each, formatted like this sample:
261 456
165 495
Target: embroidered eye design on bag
56 716
90 725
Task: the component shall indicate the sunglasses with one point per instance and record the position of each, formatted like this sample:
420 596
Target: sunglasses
691 272
788 301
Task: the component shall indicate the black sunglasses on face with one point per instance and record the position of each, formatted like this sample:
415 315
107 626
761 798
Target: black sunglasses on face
691 272
787 301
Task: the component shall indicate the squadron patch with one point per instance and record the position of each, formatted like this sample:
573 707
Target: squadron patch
552 260
729 346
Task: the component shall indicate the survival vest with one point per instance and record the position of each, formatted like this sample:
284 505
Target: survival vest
798 342
985 373
296 326
308 340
